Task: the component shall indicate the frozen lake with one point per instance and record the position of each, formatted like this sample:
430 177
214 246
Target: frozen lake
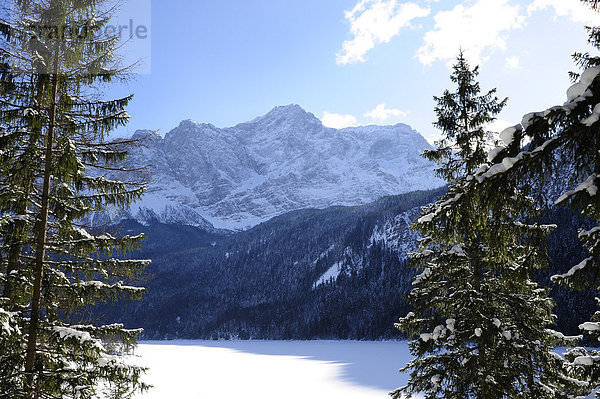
273 369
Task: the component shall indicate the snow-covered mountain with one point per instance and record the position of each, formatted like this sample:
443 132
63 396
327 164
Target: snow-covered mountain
286 160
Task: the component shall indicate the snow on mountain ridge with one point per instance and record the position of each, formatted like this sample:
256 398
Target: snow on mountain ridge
146 135
282 161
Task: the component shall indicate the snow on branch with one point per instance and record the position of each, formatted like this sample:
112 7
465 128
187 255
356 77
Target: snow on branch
6 321
68 333
581 89
589 185
99 285
508 134
571 273
564 338
586 234
438 208
589 326
586 360
576 94
494 153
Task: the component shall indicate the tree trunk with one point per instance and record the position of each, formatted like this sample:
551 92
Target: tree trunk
480 345
42 226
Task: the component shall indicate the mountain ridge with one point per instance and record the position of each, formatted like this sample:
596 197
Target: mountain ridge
237 177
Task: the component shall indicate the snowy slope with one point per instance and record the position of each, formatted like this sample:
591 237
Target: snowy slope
285 160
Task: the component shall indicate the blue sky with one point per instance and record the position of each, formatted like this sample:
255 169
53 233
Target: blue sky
347 61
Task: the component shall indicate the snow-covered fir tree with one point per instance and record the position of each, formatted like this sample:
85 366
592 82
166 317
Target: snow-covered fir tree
480 324
560 147
54 156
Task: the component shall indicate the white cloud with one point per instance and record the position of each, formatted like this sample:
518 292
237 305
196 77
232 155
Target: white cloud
381 113
373 22
513 62
573 9
338 121
475 28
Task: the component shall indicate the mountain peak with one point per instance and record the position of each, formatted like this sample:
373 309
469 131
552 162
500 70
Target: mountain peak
282 161
188 123
288 113
146 135
290 108
190 128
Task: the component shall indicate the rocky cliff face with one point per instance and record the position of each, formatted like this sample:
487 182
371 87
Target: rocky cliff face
286 160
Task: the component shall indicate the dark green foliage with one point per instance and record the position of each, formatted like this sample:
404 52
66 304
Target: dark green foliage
550 151
480 323
462 117
53 154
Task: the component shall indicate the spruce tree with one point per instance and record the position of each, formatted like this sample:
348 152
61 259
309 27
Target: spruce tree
559 148
54 156
462 118
479 321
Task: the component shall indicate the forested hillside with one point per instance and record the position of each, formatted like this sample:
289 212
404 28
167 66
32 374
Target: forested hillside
266 283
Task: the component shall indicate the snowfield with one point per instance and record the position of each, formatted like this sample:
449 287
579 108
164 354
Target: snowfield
273 369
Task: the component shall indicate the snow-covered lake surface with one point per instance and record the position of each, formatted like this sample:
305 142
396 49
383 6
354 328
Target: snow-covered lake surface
273 369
